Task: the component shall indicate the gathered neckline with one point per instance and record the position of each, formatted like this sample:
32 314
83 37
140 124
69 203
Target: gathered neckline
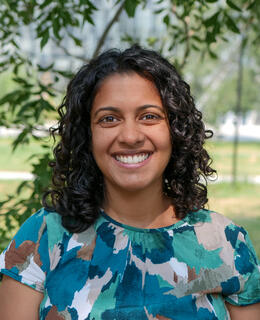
144 230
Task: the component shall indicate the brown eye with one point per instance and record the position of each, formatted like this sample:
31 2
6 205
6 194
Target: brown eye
108 119
150 117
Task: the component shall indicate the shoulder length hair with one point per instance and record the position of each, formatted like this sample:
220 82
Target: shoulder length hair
77 190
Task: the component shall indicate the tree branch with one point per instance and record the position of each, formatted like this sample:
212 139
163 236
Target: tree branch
185 22
187 47
66 51
107 29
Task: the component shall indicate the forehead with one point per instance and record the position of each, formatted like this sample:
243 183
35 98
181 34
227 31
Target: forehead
126 88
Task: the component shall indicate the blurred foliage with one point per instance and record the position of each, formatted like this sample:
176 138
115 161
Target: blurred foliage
214 85
250 100
191 26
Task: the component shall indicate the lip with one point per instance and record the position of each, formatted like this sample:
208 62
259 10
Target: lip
132 165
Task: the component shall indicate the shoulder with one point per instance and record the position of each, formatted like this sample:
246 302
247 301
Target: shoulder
202 216
210 219
38 224
214 230
26 259
41 231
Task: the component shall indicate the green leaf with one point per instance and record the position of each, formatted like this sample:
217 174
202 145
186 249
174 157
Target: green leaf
251 5
195 47
16 68
45 38
210 38
66 18
166 20
88 17
46 105
196 38
56 27
21 186
212 54
211 1
233 6
10 97
256 40
23 82
76 40
130 7
45 4
89 4
212 20
44 69
151 41
14 43
66 74
159 11
19 80
22 138
224 38
127 38
27 107
231 24
117 2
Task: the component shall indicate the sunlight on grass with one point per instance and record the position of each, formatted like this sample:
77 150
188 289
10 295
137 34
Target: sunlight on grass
18 160
248 157
240 203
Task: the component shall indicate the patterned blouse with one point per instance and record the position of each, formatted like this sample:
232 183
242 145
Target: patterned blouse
114 271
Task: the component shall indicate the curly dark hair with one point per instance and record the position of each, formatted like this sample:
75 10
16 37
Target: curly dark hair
77 192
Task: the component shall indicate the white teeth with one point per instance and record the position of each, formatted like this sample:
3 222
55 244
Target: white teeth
133 159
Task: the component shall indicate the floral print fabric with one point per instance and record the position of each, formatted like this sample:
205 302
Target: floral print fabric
113 271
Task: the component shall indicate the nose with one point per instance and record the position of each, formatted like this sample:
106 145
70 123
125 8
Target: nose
131 134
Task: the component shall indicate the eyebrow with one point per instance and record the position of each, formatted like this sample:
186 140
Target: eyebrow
115 109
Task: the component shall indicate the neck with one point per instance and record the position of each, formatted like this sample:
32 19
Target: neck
142 209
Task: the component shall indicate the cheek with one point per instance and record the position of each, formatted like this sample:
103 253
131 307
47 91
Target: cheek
100 144
95 144
164 140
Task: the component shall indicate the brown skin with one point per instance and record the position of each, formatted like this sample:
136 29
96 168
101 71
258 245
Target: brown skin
128 118
18 301
251 312
132 129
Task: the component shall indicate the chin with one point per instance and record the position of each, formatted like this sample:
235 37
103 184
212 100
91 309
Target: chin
135 186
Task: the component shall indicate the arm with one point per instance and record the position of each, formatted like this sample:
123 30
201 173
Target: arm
18 301
251 312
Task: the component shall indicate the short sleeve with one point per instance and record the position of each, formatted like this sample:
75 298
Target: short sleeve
26 258
246 269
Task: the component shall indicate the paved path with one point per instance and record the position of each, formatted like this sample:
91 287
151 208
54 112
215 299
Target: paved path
21 175
15 175
248 179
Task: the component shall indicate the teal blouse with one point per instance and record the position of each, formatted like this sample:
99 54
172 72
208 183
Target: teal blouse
114 271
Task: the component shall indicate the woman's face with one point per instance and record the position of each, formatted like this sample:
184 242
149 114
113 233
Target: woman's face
131 141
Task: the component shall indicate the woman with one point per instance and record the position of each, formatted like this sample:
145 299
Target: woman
126 235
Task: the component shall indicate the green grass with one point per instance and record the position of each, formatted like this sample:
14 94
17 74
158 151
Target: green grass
248 157
18 160
9 187
240 203
228 190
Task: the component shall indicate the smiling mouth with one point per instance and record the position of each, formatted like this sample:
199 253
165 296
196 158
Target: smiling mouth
133 159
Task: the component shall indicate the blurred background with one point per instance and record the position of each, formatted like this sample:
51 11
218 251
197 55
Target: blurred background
213 43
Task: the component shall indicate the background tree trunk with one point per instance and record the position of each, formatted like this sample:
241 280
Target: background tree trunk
238 108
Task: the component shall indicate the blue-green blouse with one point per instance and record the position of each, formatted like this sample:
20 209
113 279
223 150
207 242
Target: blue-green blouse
114 271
